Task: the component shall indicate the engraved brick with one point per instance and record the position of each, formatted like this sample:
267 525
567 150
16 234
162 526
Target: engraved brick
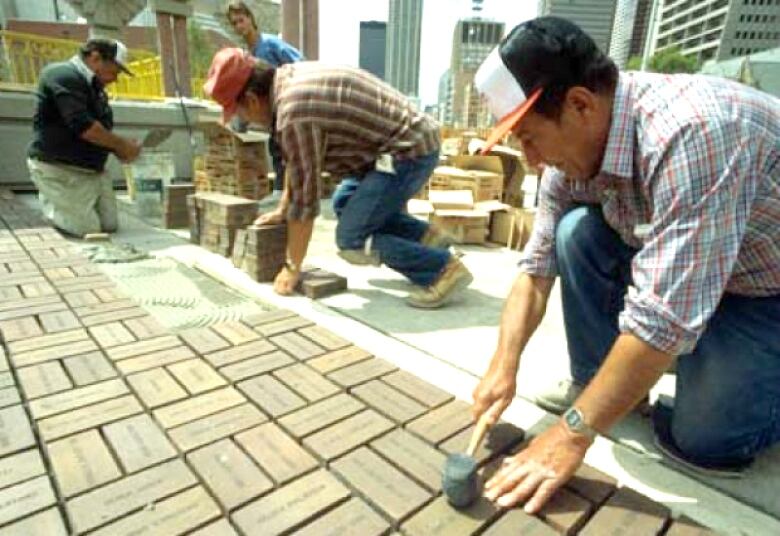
20 328
592 484
321 414
325 338
566 512
282 326
156 387
389 489
266 317
218 528
225 423
9 397
25 498
203 340
59 273
348 434
416 457
10 293
101 307
6 380
89 368
441 519
15 431
48 523
109 294
59 321
256 366
353 517
135 349
361 372
288 507
276 452
388 401
21 278
196 375
80 298
76 398
499 439
138 442
145 327
28 310
46 341
627 512
53 352
130 493
516 522
306 382
103 318
271 395
112 334
442 423
20 467
155 359
229 473
297 345
235 332
198 406
82 462
89 417
239 353
418 389
43 379
90 282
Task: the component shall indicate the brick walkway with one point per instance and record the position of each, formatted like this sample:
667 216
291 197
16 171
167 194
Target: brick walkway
111 425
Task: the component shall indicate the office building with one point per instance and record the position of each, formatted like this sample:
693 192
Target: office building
402 56
373 40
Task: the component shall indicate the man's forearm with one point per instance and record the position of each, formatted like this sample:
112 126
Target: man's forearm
298 237
99 135
630 370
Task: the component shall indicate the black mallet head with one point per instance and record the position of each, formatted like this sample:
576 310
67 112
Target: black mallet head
459 480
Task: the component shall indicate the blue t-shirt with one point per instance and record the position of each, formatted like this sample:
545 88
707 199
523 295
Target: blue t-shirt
276 51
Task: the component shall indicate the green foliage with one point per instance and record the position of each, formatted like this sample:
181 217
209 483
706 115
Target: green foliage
634 63
671 60
202 50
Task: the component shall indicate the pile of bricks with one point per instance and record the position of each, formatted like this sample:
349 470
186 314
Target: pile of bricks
175 213
260 251
215 218
235 164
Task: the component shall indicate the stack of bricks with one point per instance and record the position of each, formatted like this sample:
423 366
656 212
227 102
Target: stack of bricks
260 251
175 211
235 164
215 218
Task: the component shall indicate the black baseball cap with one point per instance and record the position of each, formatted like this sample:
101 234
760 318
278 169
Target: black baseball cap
111 50
536 55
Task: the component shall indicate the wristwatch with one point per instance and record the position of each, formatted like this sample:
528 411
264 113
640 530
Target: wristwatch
575 422
291 266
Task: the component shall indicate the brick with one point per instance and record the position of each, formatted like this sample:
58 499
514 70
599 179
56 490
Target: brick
339 359
88 417
59 321
89 368
235 332
49 523
15 279
102 307
103 318
76 398
59 273
306 382
10 293
39 288
325 338
267 317
20 467
297 345
53 352
592 484
109 294
419 459
9 397
83 270
499 440
198 406
145 327
138 442
46 341
156 387
442 423
239 353
112 334
388 401
389 489
80 298
627 512
43 379
20 328
155 359
32 310
348 434
218 528
3 360
418 389
82 462
223 424
566 512
291 505
89 282
196 375
321 414
229 473
441 519
276 452
138 348
316 284
516 522
203 340
361 372
686 527
114 500
256 366
15 431
25 498
6 380
271 395
353 517
282 326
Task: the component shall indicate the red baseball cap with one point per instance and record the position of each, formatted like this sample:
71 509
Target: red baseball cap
229 72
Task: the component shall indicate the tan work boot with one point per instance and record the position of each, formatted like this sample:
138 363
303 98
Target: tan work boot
453 278
564 394
437 238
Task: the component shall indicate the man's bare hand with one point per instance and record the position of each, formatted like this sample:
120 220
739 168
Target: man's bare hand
271 218
285 281
494 392
533 475
128 150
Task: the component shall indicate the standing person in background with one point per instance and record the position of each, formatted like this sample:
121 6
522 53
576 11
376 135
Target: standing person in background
274 51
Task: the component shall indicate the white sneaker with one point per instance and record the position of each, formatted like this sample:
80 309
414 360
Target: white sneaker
560 397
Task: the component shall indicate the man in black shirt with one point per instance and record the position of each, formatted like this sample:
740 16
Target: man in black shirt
72 139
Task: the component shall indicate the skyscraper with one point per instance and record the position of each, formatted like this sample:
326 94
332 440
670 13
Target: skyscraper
623 30
373 38
595 17
402 57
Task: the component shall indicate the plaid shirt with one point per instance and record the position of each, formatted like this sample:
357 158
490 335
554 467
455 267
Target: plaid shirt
340 120
690 177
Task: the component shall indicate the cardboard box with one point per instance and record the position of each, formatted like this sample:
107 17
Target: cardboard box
466 226
451 199
512 228
483 175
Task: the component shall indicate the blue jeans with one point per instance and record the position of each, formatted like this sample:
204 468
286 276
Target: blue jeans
278 163
375 206
727 402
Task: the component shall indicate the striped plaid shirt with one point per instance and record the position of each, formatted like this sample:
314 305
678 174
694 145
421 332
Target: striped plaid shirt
340 120
691 178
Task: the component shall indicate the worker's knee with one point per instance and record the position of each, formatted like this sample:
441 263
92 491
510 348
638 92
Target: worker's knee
582 234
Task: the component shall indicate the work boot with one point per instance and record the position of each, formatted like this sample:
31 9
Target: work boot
437 238
359 257
560 397
454 277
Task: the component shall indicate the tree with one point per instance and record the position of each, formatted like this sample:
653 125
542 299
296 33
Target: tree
634 63
672 60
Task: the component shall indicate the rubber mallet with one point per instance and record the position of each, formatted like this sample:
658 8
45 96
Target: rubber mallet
459 477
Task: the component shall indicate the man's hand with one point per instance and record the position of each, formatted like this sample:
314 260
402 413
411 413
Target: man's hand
128 150
271 218
286 280
533 475
495 391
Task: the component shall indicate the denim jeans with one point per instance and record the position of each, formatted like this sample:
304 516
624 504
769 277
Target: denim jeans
375 206
727 402
276 158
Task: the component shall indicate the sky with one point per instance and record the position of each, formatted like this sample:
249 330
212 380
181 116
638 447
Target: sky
340 31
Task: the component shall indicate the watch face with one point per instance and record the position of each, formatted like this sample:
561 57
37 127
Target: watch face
573 419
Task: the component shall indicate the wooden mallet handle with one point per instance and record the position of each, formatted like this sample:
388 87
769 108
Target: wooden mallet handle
479 433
